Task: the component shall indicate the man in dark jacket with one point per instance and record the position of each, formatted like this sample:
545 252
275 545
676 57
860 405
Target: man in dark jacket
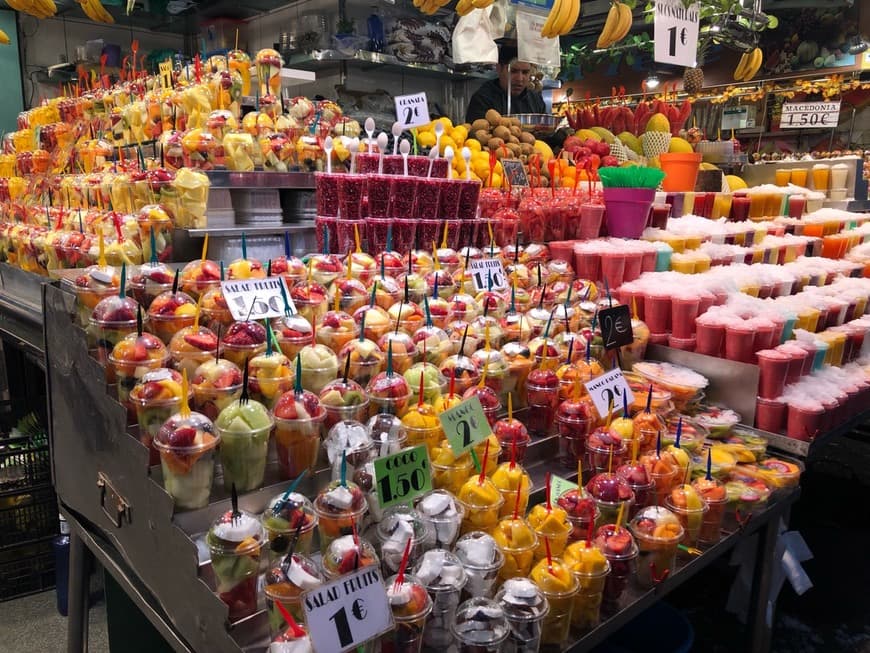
493 94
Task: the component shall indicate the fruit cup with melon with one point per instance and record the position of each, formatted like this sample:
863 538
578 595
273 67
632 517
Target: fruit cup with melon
515 327
92 285
290 267
343 399
199 276
346 554
149 281
559 586
285 582
192 346
244 427
113 319
242 341
690 508
388 391
658 532
408 315
517 542
438 311
405 352
270 376
170 312
482 502
366 359
131 359
284 515
352 294
610 493
292 332
514 484
387 291
590 567
464 307
373 321
519 363
216 384
234 542
187 443
299 418
156 398
433 343
462 370
216 314
339 508
246 268
325 268
311 300
494 368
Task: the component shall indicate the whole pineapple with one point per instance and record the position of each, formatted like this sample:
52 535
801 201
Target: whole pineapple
693 80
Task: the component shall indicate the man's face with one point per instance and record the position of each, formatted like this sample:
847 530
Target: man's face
517 73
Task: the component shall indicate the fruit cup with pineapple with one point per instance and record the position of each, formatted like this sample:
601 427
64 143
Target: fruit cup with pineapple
515 485
234 542
242 341
155 398
339 507
482 502
171 311
155 218
343 399
292 332
517 541
299 418
420 420
199 276
215 312
271 375
216 384
133 357
113 318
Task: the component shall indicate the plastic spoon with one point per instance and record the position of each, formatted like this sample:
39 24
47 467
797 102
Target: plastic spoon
448 154
439 132
466 156
327 147
382 140
396 131
370 132
433 154
405 150
353 148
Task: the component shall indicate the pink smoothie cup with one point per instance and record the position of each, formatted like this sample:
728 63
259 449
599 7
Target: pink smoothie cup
772 367
804 422
648 262
660 215
612 267
684 311
633 264
740 343
657 311
685 344
591 217
711 337
587 264
770 415
739 208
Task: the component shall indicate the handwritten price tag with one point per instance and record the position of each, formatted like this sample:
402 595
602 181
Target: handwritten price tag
412 110
485 271
403 476
609 388
343 614
465 425
809 115
559 486
256 299
616 327
676 32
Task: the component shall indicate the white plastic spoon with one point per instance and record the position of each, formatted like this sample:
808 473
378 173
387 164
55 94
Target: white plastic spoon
370 132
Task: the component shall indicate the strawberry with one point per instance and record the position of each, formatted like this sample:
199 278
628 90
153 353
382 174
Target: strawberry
140 352
286 407
201 341
209 271
311 403
331 320
228 379
151 390
183 437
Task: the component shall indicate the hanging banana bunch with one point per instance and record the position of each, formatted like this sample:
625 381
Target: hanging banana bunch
41 9
4 38
616 26
429 7
561 19
465 7
749 65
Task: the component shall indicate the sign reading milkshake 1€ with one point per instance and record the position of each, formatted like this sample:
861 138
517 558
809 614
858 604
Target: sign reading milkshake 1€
465 425
607 390
257 299
343 614
412 110
403 476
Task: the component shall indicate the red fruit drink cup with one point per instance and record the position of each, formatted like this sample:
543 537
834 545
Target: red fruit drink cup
773 367
770 414
740 342
350 195
657 311
428 195
326 185
684 310
403 192
805 419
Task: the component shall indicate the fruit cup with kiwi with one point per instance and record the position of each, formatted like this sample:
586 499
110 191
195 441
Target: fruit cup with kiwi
463 369
335 330
270 376
234 542
187 446
405 351
131 359
311 300
352 294
285 514
388 392
244 427
658 532
216 384
343 399
319 366
113 319
150 281
242 341
340 509
170 312
292 332
285 582
199 276
155 398
299 421
433 344
192 346
377 321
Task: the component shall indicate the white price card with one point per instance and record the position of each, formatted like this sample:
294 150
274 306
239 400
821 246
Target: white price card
608 389
257 299
676 32
486 271
412 110
809 115
351 610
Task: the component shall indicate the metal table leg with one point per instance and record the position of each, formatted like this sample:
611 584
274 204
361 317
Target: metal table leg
79 591
760 631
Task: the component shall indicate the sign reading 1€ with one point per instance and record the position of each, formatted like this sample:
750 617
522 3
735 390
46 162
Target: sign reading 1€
676 32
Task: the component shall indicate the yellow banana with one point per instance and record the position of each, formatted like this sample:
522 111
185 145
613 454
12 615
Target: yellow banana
571 20
566 8
625 21
547 29
610 25
755 58
742 65
4 38
464 7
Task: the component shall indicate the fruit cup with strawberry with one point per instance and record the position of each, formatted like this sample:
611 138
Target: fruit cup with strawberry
405 351
581 511
610 493
336 329
192 346
114 317
284 583
156 229
345 554
215 312
351 292
199 276
292 332
187 443
621 551
149 281
438 311
311 300
170 312
234 541
216 384
132 358
605 450
637 477
658 532
155 398
388 391
343 399
286 513
543 399
340 508
242 341
246 268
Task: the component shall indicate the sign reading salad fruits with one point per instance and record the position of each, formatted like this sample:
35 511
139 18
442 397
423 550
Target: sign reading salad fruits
351 610
403 476
256 299
465 425
487 274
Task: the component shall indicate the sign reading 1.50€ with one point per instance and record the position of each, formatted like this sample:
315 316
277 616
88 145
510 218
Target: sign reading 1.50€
257 299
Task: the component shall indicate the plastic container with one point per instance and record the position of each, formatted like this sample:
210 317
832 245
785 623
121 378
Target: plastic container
681 171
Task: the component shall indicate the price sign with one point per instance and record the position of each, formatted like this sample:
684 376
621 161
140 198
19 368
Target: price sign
559 486
403 476
165 68
515 172
609 388
487 273
465 425
412 110
616 327
256 299
343 614
676 32
809 115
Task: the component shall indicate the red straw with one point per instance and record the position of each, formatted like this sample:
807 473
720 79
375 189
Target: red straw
514 451
517 501
298 631
420 402
483 464
355 533
549 506
400 577
549 556
452 384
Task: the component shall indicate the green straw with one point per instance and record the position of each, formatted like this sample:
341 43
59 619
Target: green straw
122 288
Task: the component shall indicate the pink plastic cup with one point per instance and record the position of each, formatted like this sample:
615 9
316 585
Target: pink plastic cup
684 311
393 164
379 195
470 191
633 264
350 196
710 337
346 236
770 415
773 367
740 343
562 250
451 194
403 192
804 422
657 311
326 187
796 206
612 268
587 264
428 232
660 215
686 344
648 263
591 216
367 164
764 334
454 228
428 194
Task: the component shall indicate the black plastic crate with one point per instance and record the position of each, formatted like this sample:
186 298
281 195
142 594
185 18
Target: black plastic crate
27 516
24 463
26 570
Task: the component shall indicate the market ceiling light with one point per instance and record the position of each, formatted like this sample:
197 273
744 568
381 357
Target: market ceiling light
652 81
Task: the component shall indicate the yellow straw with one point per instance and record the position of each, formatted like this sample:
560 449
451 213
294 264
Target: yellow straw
576 390
444 237
580 476
486 337
204 247
489 228
102 258
435 260
482 381
196 315
185 407
336 305
620 514
634 307
356 238
349 263
609 412
310 270
510 405
635 444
